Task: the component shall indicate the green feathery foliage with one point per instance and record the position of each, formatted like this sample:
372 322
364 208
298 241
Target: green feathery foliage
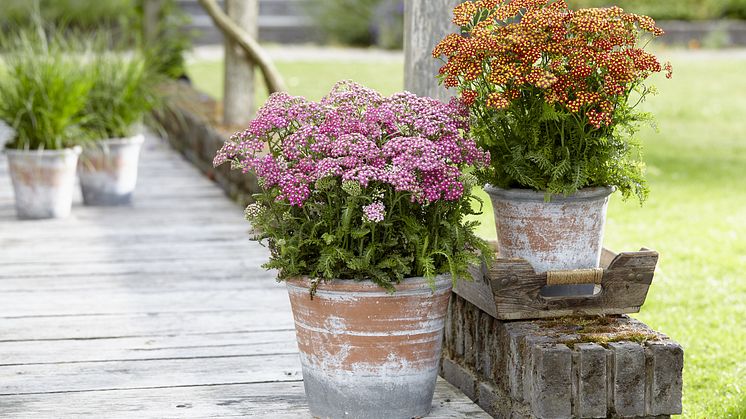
539 146
329 238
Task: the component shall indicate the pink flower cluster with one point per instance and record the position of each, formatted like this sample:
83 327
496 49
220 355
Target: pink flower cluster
416 145
375 212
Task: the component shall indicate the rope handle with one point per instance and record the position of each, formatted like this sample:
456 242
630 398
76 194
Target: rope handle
575 277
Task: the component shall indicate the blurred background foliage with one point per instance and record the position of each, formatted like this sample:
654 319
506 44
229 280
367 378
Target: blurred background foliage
674 9
380 22
344 22
80 14
121 20
365 22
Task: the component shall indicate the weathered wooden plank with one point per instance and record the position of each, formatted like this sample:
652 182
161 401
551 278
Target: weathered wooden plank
227 278
83 253
146 264
111 375
40 235
149 348
147 216
511 290
248 261
180 183
478 290
607 256
94 326
124 300
137 227
187 199
516 288
264 400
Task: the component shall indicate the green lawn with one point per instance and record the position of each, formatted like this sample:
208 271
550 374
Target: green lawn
310 79
695 217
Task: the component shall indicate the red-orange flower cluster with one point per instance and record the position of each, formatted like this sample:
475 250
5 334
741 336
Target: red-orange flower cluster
585 60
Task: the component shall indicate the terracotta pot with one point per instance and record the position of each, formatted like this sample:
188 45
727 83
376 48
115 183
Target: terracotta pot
108 171
43 181
368 353
565 233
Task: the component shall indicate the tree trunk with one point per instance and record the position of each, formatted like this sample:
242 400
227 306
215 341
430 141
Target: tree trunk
151 20
238 88
425 24
253 50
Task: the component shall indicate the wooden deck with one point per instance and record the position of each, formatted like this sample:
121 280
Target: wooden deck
155 310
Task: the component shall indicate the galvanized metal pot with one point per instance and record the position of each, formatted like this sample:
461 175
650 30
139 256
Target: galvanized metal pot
565 233
43 181
108 171
367 353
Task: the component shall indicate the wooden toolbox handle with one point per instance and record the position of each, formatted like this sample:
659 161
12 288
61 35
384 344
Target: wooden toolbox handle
511 290
575 277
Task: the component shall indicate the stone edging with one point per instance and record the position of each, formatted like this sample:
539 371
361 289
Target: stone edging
189 125
548 369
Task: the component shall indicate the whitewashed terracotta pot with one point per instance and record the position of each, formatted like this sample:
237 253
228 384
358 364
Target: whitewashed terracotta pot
108 171
43 181
367 353
563 234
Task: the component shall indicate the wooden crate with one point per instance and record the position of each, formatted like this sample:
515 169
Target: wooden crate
512 290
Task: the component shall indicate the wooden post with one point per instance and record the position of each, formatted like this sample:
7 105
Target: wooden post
151 19
425 24
238 89
272 78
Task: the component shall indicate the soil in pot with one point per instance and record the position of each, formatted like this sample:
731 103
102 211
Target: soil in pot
366 352
108 171
43 181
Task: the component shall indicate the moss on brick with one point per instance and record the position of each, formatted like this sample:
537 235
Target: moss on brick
597 329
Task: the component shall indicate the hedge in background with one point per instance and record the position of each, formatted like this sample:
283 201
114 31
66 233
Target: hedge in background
360 22
118 21
674 9
380 22
89 14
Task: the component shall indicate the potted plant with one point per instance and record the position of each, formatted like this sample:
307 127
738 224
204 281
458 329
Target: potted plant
122 94
362 208
553 95
42 91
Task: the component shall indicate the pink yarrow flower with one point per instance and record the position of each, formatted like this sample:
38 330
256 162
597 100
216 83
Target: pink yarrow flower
374 212
414 144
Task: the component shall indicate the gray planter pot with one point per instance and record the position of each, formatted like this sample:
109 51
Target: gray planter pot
43 181
367 353
108 171
563 234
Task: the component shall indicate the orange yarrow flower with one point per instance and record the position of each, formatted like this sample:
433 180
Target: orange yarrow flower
583 60
497 100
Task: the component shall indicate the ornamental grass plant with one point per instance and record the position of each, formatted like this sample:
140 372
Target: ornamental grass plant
43 91
360 186
553 92
122 94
